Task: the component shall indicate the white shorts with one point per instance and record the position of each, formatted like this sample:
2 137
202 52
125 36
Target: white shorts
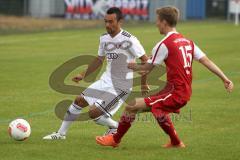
104 96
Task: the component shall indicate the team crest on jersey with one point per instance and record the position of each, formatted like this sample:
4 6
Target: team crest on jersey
111 46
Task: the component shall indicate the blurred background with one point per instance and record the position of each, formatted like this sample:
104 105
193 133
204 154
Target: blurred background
139 10
91 9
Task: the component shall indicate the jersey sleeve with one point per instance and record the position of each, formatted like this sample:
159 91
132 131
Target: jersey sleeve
101 48
136 48
198 53
159 54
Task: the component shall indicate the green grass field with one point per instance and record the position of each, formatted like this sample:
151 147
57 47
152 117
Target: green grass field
209 124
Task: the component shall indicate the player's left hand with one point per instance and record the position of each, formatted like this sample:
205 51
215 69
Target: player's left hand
132 65
228 85
145 89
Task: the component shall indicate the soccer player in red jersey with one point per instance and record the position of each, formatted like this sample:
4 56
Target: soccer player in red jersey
177 53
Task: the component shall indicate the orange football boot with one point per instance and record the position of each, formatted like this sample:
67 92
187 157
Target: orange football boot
106 141
170 145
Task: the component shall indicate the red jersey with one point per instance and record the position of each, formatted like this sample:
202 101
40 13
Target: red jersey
177 52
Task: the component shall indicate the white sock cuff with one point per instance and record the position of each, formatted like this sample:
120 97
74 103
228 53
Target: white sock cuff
106 121
75 109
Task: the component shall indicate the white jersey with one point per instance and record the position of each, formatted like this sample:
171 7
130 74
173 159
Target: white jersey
119 51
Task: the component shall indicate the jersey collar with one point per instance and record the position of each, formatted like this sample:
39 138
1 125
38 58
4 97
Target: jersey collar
170 33
117 34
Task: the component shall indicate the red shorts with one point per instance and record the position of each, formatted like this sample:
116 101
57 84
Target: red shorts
167 100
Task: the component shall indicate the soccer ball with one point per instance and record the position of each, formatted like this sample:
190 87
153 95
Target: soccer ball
19 129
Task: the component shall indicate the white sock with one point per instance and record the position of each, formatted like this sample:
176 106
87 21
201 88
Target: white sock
71 115
106 121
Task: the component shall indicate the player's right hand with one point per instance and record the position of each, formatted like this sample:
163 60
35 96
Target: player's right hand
228 85
78 78
143 73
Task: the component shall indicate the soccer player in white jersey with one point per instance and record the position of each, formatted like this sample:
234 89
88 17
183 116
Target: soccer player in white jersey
106 95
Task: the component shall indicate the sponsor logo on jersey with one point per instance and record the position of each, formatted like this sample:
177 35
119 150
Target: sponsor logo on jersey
112 55
111 46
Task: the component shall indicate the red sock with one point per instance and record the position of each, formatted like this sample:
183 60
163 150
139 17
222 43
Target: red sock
124 125
166 124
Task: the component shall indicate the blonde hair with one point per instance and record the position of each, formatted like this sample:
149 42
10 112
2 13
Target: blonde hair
170 14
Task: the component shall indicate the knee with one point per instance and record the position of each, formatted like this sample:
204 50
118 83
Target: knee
95 113
80 101
131 109
92 115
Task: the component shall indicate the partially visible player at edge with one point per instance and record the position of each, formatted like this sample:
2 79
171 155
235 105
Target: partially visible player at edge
177 53
119 47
